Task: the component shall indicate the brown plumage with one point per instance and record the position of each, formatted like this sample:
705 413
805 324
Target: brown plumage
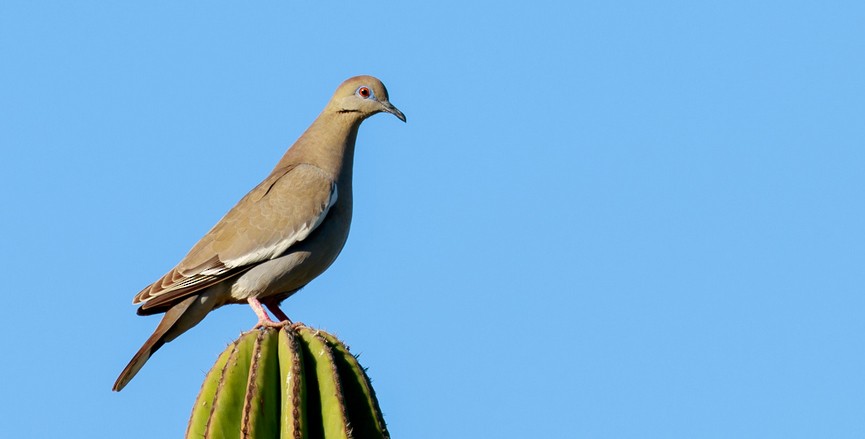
280 236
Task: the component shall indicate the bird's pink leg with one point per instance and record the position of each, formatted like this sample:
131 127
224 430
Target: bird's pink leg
263 319
274 309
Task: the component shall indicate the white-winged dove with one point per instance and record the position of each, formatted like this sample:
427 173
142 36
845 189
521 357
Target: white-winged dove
278 237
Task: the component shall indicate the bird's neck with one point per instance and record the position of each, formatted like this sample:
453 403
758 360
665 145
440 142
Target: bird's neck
329 144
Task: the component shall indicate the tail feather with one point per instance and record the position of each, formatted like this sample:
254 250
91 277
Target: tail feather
175 321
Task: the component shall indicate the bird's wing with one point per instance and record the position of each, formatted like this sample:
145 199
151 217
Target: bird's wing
280 212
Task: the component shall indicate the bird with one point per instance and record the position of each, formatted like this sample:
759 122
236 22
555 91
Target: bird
280 236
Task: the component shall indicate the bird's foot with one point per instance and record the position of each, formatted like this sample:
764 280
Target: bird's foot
263 319
271 324
274 309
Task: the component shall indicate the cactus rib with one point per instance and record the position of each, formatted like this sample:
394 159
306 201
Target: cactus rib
294 383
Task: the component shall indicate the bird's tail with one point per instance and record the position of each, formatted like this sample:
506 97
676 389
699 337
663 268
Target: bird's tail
177 320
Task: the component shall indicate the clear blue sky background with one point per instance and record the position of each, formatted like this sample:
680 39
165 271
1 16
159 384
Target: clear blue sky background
602 220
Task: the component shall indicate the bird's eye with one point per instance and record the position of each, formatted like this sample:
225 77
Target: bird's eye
364 92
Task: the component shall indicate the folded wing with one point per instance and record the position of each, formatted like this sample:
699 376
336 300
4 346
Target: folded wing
280 212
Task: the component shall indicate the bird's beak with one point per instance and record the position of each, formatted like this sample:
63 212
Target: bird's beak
393 110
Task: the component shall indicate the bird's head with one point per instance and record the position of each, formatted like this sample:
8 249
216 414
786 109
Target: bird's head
363 96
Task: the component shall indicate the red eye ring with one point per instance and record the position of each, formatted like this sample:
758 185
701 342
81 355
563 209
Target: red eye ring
364 92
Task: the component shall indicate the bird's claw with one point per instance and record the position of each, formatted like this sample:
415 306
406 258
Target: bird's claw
272 324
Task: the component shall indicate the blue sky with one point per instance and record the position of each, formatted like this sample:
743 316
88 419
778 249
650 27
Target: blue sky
602 220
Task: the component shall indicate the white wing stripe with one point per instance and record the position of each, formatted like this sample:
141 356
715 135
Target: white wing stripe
278 248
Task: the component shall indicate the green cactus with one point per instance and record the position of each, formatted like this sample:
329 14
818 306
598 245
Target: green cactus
291 383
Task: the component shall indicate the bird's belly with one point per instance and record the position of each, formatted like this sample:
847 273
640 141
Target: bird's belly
285 273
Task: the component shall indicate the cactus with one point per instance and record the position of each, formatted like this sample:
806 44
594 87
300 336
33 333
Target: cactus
290 383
